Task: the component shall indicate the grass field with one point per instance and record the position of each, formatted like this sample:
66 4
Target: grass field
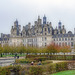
68 72
12 55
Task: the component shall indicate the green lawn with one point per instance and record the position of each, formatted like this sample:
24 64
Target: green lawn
12 55
68 72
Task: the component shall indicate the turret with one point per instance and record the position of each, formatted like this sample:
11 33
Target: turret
35 22
50 24
63 30
44 20
15 30
23 32
16 23
59 25
29 25
39 21
55 31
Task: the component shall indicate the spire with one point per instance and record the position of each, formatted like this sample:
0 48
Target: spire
44 19
38 17
63 27
16 23
59 24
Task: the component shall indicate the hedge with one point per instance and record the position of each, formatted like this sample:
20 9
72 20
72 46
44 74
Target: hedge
36 70
23 61
53 57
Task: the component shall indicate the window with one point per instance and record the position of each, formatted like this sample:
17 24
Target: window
45 29
37 31
71 43
65 39
59 39
59 44
68 38
45 38
62 39
36 39
23 40
45 33
42 38
65 43
54 39
71 38
45 44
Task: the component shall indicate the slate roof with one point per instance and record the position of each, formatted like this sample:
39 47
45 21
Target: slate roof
5 37
63 35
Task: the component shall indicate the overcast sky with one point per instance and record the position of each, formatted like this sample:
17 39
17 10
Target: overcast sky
28 10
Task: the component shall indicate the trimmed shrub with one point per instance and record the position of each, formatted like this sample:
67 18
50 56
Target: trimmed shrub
16 69
52 57
40 58
61 66
23 61
56 67
47 62
5 70
52 68
36 70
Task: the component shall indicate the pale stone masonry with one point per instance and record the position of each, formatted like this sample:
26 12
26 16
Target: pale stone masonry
40 34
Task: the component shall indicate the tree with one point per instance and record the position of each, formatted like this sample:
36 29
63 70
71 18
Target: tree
65 49
53 48
1 50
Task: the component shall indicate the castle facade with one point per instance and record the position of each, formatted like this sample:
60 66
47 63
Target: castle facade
41 34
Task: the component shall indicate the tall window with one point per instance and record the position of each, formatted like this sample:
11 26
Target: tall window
59 44
45 38
71 43
68 38
23 40
65 39
71 38
54 39
62 39
65 43
37 31
45 44
45 33
42 38
45 29
59 39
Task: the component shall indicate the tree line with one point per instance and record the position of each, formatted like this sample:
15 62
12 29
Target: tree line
52 48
